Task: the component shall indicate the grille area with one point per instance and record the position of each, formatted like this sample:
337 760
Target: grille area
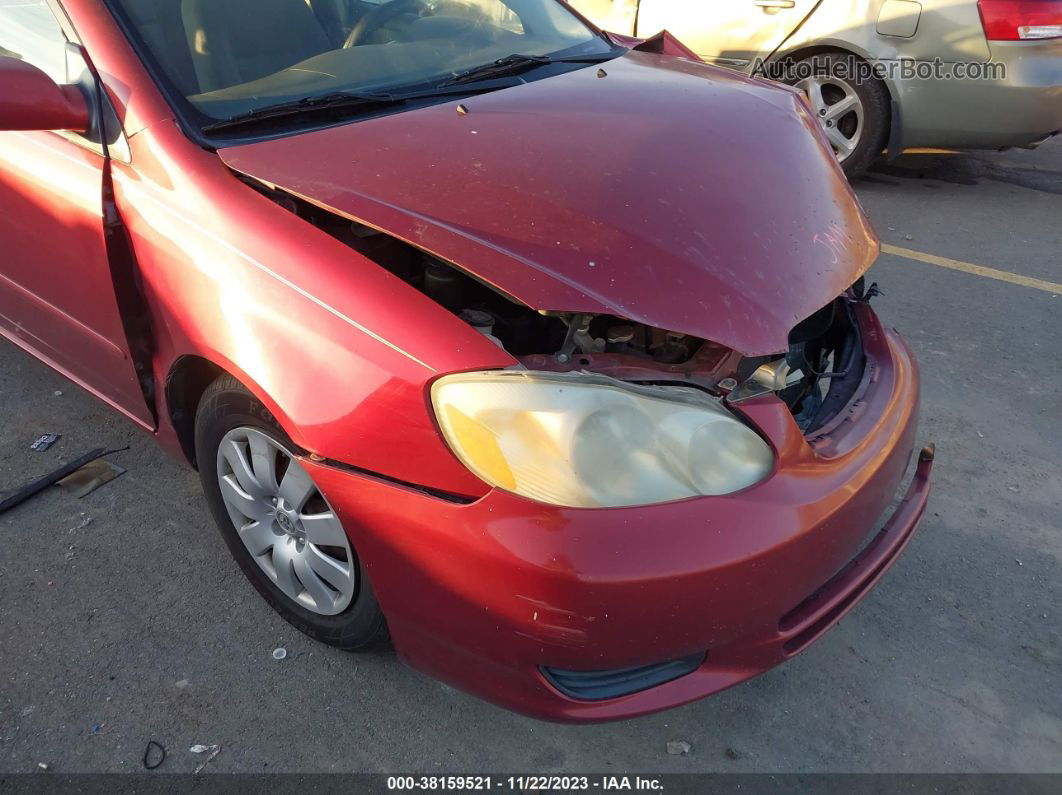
827 349
601 685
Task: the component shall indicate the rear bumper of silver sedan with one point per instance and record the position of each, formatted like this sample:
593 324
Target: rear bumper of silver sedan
1019 107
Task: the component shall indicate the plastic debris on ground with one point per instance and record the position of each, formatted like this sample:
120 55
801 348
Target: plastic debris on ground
280 653
44 442
23 493
213 750
85 522
90 477
678 747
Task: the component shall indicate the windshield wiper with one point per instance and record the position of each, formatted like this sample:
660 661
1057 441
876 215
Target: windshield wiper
516 63
484 78
337 101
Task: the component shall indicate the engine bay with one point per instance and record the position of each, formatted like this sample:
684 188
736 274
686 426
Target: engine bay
816 378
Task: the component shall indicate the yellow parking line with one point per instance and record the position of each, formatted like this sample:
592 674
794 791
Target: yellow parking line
976 270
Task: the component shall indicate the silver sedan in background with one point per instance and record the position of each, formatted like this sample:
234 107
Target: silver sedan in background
881 74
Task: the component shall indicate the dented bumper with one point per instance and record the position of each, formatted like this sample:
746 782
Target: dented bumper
483 595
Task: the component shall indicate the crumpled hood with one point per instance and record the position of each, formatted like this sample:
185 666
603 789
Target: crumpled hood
667 192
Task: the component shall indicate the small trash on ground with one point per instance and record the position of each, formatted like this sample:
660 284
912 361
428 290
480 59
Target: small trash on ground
40 484
213 750
58 393
90 477
42 766
279 653
95 728
44 442
81 525
154 755
678 747
181 684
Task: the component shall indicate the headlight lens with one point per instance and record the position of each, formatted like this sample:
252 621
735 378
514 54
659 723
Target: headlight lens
585 440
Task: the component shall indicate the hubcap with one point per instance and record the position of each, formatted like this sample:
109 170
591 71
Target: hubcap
285 522
839 111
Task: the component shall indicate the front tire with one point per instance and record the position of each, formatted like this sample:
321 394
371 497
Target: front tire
278 525
851 105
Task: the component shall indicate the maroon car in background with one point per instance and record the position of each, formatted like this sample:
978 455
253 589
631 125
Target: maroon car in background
546 356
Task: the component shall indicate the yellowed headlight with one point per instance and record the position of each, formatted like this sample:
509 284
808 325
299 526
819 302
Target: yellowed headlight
584 440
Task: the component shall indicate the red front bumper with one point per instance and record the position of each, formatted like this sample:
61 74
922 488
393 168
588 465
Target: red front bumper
482 595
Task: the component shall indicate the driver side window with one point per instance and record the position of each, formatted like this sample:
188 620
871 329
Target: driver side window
30 32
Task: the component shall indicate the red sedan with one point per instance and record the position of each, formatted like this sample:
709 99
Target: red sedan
545 354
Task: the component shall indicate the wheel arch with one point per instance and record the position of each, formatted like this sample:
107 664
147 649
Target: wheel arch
802 51
188 378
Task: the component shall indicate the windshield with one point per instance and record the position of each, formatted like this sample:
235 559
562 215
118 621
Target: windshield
232 57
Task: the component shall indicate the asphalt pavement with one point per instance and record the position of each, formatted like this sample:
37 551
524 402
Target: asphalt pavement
123 618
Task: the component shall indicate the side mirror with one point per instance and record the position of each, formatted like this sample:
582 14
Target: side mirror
30 100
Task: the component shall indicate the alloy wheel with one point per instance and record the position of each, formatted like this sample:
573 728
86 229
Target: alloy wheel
838 109
285 522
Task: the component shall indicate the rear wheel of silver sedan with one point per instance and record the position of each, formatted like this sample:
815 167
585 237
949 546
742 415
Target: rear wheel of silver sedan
278 525
850 104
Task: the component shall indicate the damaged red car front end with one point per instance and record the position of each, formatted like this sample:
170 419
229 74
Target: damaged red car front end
584 364
686 235
599 614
